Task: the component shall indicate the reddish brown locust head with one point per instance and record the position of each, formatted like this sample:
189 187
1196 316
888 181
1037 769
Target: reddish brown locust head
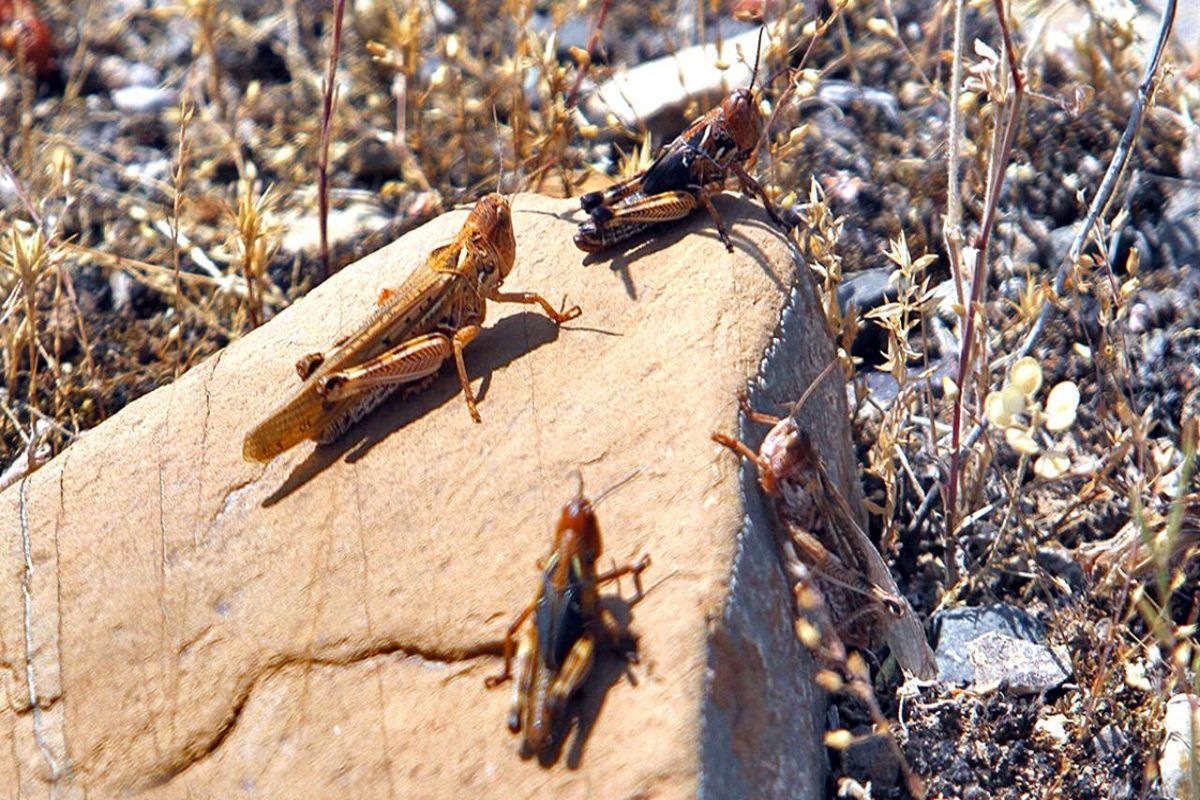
787 454
743 119
578 533
491 220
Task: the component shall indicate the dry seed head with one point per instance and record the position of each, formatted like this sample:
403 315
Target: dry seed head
1020 440
857 667
1001 407
1061 406
1027 376
1051 465
839 739
808 635
829 680
806 598
880 27
1183 653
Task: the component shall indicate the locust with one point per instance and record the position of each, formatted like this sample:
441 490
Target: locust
430 318
816 528
682 177
556 649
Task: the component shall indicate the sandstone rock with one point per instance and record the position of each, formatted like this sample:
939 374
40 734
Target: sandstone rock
177 622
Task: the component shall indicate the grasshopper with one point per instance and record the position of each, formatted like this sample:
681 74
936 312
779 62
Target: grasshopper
432 316
682 176
557 649
817 529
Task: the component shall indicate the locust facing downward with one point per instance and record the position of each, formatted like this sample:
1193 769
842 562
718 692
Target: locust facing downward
816 528
682 177
558 646
432 316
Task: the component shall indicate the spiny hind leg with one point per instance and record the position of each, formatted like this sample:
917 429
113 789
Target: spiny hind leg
661 207
613 194
409 361
575 669
523 685
510 636
702 194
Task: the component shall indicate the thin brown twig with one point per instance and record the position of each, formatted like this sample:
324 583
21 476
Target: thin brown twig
978 280
179 176
593 43
952 230
339 10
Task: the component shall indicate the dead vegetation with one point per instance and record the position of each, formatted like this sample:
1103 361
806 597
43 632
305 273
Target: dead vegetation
1026 385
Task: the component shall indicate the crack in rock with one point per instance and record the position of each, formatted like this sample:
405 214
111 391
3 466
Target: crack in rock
206 743
35 703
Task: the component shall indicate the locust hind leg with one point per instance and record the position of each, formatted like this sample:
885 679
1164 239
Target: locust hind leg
523 685
575 669
593 200
702 193
611 226
409 361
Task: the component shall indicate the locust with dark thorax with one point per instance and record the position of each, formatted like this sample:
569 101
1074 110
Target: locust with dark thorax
682 177
557 648
816 528
432 316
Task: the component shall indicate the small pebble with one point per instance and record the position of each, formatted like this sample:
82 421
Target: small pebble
1018 666
957 628
115 73
144 99
1179 750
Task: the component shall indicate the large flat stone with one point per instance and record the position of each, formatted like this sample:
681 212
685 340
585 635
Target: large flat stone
194 625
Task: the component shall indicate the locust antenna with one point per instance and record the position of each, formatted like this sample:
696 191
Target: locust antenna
499 152
825 373
612 488
757 56
791 87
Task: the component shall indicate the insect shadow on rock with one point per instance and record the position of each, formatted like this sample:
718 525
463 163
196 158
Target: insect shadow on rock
499 346
431 318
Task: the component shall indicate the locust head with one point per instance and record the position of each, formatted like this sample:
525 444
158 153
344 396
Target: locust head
785 456
491 220
743 119
578 533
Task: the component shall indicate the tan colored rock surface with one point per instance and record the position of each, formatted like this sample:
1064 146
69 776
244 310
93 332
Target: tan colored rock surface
197 626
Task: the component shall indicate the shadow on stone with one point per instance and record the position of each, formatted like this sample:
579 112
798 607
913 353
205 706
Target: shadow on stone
497 347
584 709
659 238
